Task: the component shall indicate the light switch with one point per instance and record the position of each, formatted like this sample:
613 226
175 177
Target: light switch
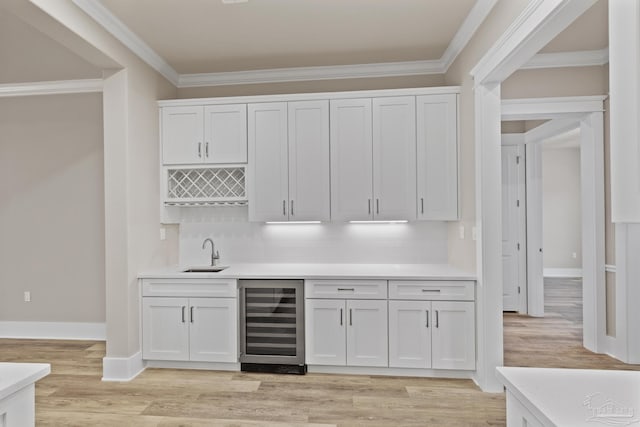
27 296
474 233
461 232
163 233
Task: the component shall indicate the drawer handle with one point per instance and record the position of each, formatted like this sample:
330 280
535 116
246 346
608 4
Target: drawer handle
347 289
431 290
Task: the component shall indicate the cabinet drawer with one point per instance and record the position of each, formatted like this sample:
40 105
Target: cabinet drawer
448 290
189 288
346 289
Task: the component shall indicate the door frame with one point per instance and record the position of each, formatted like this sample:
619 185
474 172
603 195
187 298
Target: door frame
535 27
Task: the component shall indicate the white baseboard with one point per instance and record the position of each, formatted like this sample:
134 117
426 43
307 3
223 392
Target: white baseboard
562 272
53 330
122 368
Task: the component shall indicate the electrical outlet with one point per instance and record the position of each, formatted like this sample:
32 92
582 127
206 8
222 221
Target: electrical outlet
27 296
163 233
461 232
574 255
474 233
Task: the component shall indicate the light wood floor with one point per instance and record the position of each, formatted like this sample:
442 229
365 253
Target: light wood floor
74 395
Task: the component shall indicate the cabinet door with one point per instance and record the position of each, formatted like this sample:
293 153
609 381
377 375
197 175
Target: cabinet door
437 134
453 335
165 329
213 329
225 133
325 323
268 162
182 135
367 333
394 158
410 334
309 198
351 160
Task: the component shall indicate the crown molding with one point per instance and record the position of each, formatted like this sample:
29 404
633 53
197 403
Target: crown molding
584 58
96 10
277 75
470 25
61 87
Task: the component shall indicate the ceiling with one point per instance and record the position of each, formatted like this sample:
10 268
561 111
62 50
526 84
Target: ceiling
223 41
205 36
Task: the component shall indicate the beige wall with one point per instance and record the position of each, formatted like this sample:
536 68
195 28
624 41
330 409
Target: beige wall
552 82
52 209
462 252
314 86
561 209
28 55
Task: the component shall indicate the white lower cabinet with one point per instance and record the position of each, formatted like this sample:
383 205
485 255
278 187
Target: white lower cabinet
197 329
432 334
346 332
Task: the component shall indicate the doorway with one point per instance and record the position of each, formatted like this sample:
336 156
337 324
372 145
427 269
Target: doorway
564 118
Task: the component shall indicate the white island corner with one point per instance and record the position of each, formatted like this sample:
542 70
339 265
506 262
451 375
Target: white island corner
17 392
571 397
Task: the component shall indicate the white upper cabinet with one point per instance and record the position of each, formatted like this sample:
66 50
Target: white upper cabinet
182 135
394 158
309 182
289 161
225 133
204 134
373 159
351 160
437 145
268 186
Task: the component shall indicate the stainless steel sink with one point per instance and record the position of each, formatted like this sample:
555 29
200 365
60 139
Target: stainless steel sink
205 269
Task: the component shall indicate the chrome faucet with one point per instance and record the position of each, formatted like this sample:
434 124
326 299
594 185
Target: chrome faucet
215 255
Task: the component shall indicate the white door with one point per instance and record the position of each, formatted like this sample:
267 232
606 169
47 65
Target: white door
367 333
325 323
453 336
309 182
513 234
182 135
213 330
437 154
394 158
268 162
351 160
410 334
165 328
225 133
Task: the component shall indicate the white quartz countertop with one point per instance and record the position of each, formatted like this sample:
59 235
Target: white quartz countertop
576 397
321 271
16 376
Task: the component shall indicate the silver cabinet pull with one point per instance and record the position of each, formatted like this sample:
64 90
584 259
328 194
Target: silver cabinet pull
427 325
437 320
183 309
191 314
340 317
200 149
350 317
206 149
291 210
369 202
431 290
421 204
377 206
284 208
347 289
